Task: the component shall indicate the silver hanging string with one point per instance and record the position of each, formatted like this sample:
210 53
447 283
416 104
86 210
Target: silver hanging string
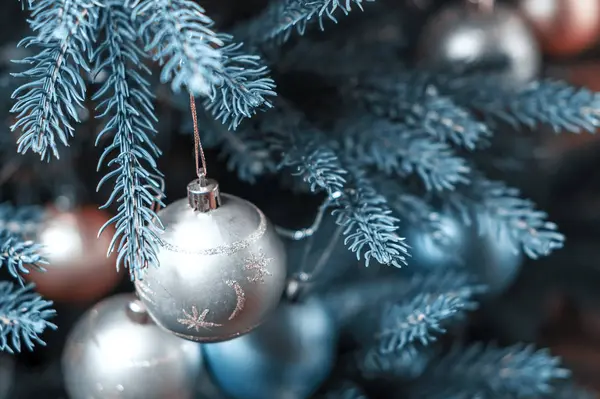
309 231
304 279
198 150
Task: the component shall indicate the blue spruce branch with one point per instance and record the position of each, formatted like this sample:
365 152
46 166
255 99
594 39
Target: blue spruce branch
20 221
419 320
16 253
179 35
318 166
126 101
410 362
370 229
431 303
412 98
493 203
47 104
305 149
23 317
244 88
478 371
550 102
396 148
278 21
248 153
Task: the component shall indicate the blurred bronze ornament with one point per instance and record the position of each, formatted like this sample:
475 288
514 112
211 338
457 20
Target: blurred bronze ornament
563 27
78 268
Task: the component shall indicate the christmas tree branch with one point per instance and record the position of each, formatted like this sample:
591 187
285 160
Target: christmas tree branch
179 35
248 153
395 148
23 317
316 164
410 97
21 221
17 252
554 103
304 149
281 17
244 88
408 362
418 320
370 229
48 102
478 371
421 315
493 203
125 99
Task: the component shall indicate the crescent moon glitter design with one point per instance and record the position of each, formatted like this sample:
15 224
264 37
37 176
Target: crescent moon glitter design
240 298
226 249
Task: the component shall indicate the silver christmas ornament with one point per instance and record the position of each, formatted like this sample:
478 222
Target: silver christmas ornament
493 258
288 357
460 34
222 267
116 351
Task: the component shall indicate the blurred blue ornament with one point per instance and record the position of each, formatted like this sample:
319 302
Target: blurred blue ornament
491 256
441 246
496 260
287 357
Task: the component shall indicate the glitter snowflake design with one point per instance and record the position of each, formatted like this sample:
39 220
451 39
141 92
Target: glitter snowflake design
196 320
257 263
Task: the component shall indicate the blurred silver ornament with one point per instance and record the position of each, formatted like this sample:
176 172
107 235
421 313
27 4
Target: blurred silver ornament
222 267
116 351
460 34
493 256
288 357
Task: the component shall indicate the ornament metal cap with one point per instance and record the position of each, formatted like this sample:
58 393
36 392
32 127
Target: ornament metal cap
203 195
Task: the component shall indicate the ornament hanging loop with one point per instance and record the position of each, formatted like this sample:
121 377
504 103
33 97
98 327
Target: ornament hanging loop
198 150
203 193
485 6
